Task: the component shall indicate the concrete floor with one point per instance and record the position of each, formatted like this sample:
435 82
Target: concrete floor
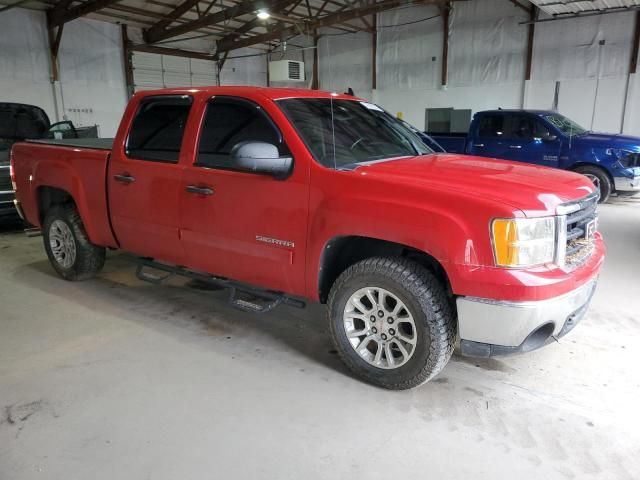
117 379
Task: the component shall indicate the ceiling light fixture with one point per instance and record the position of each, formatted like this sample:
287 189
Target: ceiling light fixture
263 14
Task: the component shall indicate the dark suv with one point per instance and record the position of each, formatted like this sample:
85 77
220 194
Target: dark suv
21 122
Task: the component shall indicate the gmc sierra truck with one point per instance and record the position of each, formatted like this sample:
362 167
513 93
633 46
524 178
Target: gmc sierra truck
287 196
543 137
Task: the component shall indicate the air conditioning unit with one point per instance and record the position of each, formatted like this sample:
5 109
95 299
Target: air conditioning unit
286 71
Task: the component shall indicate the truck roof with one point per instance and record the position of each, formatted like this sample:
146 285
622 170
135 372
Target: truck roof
268 92
520 110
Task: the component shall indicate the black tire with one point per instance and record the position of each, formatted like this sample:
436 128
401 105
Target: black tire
603 180
89 258
425 298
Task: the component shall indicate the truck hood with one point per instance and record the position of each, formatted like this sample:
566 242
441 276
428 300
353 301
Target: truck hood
533 189
608 140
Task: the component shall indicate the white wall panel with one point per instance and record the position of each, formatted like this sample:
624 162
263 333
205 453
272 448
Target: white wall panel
572 48
92 74
247 70
609 104
487 43
410 55
345 61
412 103
24 59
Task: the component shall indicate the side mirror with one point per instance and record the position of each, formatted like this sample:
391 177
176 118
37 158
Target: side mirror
260 157
64 129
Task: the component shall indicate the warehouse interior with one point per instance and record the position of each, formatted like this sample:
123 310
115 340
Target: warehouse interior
118 378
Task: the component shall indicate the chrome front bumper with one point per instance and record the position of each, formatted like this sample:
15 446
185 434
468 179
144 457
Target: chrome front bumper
16 204
492 327
627 184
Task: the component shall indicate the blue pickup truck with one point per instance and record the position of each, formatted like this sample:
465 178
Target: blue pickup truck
542 137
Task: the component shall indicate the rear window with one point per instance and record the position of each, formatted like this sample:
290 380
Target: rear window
157 130
491 126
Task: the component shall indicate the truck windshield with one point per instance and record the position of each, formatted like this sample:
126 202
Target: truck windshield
343 134
565 125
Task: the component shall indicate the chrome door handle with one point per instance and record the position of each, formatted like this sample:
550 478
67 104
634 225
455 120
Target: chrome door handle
199 190
515 146
124 178
478 144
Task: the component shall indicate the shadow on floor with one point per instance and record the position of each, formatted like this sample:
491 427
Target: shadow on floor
186 311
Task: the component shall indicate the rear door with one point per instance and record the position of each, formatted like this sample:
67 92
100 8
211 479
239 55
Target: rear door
144 179
488 139
530 141
245 226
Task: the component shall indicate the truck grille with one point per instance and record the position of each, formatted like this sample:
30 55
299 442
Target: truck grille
6 189
5 178
581 226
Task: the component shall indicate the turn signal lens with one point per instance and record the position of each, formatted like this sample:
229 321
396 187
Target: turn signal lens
523 242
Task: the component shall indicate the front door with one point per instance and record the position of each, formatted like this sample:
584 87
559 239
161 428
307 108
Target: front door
144 180
529 140
244 226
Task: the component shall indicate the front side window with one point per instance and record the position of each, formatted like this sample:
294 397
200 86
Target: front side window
527 127
229 121
343 134
157 130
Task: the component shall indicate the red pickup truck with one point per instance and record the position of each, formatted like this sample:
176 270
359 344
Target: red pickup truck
287 195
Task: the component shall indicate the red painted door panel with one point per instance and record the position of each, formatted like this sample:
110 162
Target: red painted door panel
144 179
226 233
145 212
251 227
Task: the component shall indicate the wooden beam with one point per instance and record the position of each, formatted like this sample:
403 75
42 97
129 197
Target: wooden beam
55 37
175 52
533 14
446 11
374 52
4 8
128 67
315 80
243 8
326 21
256 22
520 5
170 17
633 66
59 17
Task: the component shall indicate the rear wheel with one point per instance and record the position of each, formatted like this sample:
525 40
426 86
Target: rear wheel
391 322
600 180
70 252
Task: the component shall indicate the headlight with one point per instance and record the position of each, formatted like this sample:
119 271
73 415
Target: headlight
629 160
523 242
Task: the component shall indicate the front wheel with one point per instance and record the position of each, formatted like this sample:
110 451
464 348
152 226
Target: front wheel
70 252
391 322
600 180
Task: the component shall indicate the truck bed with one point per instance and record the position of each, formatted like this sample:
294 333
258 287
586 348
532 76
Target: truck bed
93 143
75 166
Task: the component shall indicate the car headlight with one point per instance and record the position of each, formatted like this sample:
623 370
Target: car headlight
523 242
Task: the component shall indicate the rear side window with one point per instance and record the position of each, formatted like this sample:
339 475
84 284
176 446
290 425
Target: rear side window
158 127
491 126
229 121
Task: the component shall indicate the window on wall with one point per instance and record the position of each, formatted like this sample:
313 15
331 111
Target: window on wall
158 127
491 126
229 121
